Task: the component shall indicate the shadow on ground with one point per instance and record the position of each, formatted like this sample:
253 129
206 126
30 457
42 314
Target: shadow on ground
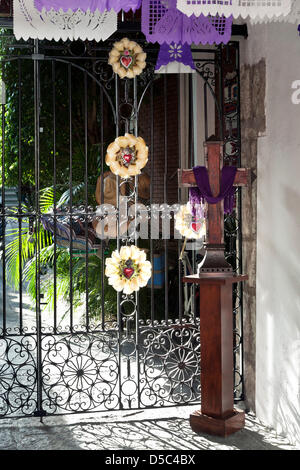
133 431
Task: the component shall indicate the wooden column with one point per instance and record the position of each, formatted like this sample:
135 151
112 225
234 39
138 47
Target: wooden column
217 414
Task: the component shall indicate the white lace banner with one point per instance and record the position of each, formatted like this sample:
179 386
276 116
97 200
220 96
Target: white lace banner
73 25
292 17
243 8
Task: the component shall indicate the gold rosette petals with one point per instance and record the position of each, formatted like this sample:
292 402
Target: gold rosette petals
128 269
127 58
188 226
127 155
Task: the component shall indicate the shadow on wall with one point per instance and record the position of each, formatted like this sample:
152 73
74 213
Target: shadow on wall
278 332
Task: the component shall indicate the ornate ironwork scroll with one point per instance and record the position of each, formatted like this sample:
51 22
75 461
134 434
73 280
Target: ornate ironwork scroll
170 365
18 376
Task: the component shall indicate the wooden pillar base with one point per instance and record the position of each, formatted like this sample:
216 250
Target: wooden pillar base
217 426
217 415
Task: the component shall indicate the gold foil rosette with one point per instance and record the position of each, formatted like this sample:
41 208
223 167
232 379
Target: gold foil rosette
128 269
127 58
127 155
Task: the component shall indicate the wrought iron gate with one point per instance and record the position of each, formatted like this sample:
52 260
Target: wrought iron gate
67 342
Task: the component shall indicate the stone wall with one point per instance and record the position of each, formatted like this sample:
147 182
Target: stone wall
253 124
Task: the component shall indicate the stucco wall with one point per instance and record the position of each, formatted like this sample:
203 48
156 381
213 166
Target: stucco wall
278 230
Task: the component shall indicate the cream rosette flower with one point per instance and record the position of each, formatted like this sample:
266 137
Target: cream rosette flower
128 270
189 226
127 58
127 155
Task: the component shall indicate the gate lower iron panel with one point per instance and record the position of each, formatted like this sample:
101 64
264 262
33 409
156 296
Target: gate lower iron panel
99 371
18 376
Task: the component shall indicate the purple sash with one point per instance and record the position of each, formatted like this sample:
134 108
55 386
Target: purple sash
203 191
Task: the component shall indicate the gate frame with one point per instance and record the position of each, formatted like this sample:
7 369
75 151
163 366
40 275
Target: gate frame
36 57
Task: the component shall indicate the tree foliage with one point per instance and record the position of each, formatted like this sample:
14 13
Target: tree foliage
70 114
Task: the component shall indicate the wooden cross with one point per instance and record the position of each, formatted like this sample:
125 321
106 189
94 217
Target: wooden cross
215 259
215 278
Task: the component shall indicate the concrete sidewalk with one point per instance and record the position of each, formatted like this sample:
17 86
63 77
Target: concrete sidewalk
159 429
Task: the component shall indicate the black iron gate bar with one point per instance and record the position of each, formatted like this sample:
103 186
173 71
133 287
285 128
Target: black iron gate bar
234 238
37 247
155 346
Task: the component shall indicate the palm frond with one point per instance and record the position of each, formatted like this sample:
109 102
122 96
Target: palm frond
17 252
46 199
43 258
21 249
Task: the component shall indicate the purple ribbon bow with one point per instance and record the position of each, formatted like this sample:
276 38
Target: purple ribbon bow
203 190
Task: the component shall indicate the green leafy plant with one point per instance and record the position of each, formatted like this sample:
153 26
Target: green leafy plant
31 252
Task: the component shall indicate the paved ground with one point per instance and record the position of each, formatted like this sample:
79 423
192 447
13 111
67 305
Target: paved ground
141 430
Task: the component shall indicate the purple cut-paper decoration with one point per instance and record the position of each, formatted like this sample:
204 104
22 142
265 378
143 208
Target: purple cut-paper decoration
203 191
91 5
174 52
197 208
162 22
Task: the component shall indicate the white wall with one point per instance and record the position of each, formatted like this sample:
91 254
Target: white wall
278 255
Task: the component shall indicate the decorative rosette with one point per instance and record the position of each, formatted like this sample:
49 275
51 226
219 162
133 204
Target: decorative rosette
127 155
128 270
127 58
190 225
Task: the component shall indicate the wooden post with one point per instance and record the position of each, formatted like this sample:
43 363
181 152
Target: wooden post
217 414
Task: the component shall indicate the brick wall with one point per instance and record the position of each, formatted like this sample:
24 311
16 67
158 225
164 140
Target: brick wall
164 166
6 8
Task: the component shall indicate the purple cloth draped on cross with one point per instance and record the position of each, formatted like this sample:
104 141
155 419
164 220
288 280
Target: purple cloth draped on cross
203 190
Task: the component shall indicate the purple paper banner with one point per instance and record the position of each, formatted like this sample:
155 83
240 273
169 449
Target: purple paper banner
91 5
162 22
178 52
